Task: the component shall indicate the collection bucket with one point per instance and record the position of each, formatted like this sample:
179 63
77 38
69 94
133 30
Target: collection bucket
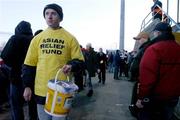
59 97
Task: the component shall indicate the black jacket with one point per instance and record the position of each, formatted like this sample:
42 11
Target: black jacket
15 50
102 61
91 62
134 68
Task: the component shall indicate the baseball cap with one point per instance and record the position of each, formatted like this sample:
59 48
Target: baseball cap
162 27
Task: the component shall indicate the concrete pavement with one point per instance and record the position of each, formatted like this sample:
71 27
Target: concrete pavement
109 102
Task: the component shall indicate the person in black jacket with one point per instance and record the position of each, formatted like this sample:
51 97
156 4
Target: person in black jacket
13 55
144 41
102 62
116 64
91 66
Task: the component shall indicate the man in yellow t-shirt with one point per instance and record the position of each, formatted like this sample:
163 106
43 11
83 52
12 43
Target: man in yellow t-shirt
51 50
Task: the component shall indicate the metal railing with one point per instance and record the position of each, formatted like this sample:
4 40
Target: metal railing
145 24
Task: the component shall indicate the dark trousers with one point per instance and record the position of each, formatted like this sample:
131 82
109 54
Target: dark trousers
32 108
4 88
78 78
132 107
17 103
123 69
158 110
134 93
4 85
102 75
89 82
116 72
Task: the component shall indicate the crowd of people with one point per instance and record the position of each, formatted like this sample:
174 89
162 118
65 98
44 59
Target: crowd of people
30 61
33 60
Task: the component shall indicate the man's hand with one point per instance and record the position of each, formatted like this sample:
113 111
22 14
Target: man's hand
66 69
27 94
139 103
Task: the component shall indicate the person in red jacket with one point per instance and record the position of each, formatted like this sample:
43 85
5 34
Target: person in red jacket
159 87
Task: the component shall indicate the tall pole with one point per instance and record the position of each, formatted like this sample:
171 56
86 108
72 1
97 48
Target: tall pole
178 11
168 7
122 21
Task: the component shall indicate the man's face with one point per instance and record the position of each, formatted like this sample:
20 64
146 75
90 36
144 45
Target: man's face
142 40
156 33
52 18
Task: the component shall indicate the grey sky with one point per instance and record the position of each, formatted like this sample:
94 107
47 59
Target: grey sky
94 21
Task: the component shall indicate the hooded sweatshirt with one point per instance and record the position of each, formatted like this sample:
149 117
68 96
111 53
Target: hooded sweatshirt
15 50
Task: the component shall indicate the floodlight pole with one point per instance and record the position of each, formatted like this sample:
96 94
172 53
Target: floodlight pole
122 22
178 11
168 7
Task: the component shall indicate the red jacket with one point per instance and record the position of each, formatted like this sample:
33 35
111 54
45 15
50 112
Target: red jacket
160 71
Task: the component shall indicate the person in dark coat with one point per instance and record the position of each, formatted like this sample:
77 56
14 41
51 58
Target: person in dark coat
13 55
123 64
144 41
116 64
102 62
110 62
91 66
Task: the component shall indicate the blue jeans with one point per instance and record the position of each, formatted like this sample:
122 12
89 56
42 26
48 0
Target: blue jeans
16 102
44 116
110 68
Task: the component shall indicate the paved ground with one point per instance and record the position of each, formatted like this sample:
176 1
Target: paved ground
5 115
109 102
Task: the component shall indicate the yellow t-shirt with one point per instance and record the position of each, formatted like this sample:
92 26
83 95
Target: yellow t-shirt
49 51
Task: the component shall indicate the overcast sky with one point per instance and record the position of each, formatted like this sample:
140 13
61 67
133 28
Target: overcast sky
90 21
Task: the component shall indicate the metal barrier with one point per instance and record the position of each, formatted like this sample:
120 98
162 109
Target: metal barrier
151 20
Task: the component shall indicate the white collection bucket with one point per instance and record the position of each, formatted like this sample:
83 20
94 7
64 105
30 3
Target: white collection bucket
59 97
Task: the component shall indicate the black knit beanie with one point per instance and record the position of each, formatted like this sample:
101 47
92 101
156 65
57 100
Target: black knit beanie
55 7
